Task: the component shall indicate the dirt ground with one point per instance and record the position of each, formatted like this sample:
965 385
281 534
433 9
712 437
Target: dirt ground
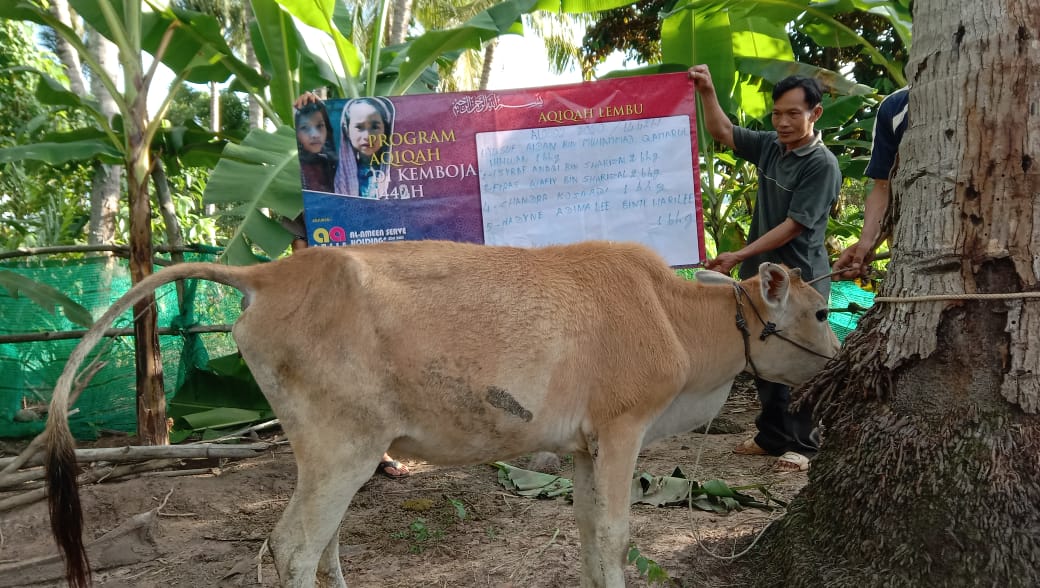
404 532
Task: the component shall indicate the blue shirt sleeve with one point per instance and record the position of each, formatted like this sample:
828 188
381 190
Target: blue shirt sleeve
889 125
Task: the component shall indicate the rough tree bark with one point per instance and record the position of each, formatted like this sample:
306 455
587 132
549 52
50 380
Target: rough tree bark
930 469
256 114
174 234
400 17
66 53
106 182
489 60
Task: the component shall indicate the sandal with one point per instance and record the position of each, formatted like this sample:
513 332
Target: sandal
387 467
791 462
749 447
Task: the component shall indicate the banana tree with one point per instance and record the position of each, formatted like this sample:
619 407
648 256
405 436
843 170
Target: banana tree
201 55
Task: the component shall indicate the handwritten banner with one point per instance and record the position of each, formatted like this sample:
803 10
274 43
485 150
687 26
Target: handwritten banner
614 160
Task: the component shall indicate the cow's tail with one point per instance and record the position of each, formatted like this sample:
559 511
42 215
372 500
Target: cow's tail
58 444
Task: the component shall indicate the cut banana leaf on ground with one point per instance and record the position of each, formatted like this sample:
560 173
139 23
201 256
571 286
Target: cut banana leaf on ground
673 490
532 484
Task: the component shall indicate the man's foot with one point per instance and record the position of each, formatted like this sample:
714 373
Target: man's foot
791 462
749 447
392 468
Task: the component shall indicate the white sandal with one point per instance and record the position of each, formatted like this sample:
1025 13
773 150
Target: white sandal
791 462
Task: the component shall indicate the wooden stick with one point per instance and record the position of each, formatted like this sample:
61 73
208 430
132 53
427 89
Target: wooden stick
13 480
78 333
121 249
146 452
175 473
830 275
250 429
24 479
23 499
92 476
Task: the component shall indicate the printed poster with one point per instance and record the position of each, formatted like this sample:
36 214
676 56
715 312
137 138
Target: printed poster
613 159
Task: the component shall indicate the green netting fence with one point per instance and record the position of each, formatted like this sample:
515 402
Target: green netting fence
846 295
29 370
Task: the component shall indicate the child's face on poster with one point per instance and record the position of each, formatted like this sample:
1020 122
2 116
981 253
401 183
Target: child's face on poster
366 129
311 132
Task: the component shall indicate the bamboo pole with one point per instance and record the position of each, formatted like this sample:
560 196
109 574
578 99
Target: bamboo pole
76 334
146 452
122 250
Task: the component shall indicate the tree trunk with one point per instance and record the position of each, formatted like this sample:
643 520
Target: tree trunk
400 17
214 107
174 234
151 398
929 474
105 186
489 59
214 125
66 53
256 114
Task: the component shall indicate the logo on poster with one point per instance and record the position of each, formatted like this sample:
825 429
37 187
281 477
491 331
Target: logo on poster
338 236
330 237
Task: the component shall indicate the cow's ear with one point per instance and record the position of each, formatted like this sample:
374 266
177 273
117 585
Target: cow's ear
775 284
712 277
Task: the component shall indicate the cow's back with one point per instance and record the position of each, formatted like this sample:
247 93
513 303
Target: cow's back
525 344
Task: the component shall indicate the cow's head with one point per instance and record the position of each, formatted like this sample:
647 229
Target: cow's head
788 336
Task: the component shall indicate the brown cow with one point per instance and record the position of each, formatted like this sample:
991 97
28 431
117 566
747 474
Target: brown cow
459 354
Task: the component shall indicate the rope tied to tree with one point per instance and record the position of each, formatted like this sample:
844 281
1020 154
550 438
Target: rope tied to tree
942 297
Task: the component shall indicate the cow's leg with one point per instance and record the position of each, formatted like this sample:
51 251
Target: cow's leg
305 542
585 513
330 572
602 493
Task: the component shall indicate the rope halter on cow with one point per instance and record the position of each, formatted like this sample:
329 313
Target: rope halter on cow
768 328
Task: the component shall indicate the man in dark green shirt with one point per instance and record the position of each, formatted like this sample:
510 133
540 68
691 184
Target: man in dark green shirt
798 182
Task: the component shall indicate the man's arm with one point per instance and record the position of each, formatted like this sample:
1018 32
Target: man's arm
874 215
857 257
777 237
715 119
886 138
810 202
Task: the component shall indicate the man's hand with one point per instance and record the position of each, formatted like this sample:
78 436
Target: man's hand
702 79
305 98
856 261
718 124
723 262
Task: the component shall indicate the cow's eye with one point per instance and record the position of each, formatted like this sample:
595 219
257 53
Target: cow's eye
821 315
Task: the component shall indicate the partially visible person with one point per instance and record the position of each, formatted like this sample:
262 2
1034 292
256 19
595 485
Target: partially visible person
388 466
889 126
315 143
798 182
364 169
